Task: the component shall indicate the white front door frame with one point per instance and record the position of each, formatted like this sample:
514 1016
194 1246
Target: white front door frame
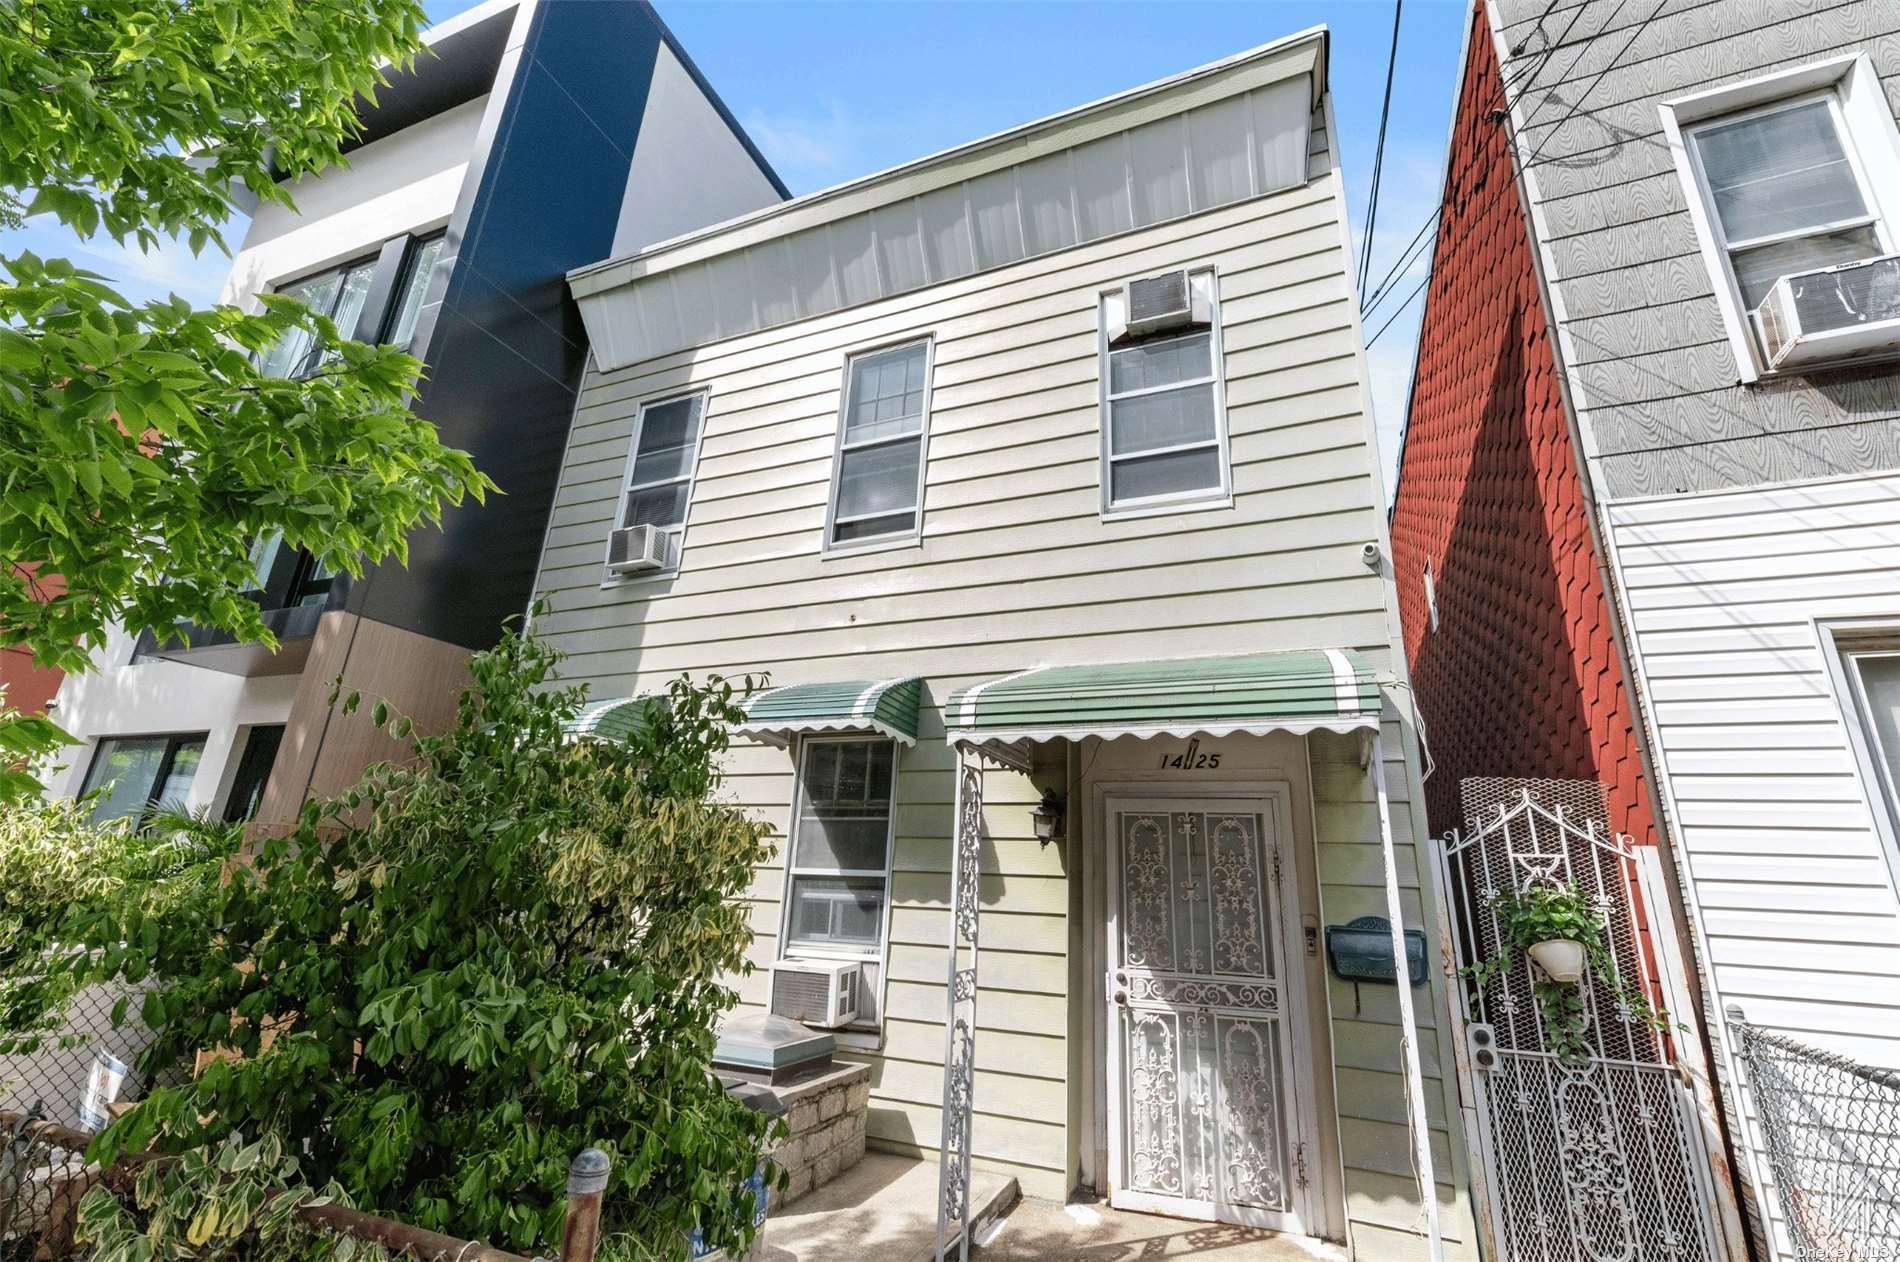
1272 800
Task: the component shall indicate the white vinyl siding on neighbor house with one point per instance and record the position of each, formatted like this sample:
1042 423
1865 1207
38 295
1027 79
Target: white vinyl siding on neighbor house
1015 566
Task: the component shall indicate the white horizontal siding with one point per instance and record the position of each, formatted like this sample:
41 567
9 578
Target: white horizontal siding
1791 884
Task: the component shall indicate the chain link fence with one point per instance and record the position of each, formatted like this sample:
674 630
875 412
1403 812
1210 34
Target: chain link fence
70 1080
1831 1127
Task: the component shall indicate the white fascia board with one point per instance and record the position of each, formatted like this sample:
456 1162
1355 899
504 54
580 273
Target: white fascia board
1303 53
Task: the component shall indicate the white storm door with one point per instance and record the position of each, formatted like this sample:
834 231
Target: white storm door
1203 1111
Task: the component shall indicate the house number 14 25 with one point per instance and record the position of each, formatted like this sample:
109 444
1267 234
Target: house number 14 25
1190 759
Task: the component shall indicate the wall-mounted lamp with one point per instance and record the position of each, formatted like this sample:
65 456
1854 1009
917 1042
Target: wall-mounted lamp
1048 816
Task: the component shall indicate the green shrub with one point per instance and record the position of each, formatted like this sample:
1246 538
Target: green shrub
445 983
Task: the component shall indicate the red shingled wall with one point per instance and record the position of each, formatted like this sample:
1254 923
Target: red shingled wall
1521 678
28 687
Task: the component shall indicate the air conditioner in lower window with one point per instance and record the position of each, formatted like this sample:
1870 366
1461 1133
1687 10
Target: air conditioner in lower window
641 550
817 992
1832 313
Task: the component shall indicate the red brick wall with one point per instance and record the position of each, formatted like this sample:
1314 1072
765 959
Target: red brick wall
28 687
1521 678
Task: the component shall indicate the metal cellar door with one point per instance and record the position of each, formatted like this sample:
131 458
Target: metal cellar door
1595 1154
1202 1109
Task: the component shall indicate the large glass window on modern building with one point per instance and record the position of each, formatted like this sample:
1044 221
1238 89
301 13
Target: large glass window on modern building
338 293
417 269
841 845
877 480
1164 424
141 773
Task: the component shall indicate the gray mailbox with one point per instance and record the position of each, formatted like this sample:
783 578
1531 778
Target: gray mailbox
1361 951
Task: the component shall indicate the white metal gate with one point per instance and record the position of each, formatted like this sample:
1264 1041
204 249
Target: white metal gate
1592 1160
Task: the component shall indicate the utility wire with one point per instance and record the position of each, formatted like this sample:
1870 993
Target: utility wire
1536 153
1378 152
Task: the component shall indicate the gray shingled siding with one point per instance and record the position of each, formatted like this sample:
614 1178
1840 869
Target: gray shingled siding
1657 382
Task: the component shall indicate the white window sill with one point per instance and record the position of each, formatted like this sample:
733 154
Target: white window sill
1135 511
836 552
614 582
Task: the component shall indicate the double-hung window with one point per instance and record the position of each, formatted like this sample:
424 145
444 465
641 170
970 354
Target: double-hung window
877 480
1164 424
339 293
139 773
1787 191
1871 664
1796 175
660 468
413 288
841 846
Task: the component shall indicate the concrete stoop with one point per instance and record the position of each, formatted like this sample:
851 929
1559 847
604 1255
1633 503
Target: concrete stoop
884 1208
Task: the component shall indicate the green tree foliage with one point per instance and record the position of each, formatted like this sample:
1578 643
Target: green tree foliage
140 449
442 985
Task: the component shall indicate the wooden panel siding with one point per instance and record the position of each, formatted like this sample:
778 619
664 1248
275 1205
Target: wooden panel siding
1017 568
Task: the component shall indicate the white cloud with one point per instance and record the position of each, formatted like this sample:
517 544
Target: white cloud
139 275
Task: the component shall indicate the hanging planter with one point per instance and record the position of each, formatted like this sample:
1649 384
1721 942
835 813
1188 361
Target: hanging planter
1557 928
1560 958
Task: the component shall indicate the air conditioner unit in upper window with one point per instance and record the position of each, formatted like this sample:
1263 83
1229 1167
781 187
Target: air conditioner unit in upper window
1155 304
641 550
1832 313
817 992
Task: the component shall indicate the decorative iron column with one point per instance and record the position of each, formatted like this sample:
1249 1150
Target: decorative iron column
959 1033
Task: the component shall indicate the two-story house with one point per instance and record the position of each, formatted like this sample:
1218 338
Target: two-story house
526 139
1038 476
1645 532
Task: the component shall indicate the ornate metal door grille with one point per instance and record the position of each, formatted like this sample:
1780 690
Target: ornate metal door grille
1206 1110
1598 1160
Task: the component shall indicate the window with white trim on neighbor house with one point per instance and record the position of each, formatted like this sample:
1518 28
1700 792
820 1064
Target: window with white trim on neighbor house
1793 181
877 474
838 870
1164 424
1873 685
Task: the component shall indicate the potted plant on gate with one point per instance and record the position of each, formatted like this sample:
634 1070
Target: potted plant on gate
1557 928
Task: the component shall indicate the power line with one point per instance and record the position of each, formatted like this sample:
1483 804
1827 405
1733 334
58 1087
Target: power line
1378 152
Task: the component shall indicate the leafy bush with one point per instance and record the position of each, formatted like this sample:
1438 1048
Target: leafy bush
443 984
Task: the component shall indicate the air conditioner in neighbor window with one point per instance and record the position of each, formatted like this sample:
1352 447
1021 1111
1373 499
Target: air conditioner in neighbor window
817 992
641 549
1155 304
1832 313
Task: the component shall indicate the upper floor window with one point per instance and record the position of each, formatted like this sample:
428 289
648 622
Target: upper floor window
1164 423
661 466
1431 599
407 310
1793 182
338 293
1787 192
877 479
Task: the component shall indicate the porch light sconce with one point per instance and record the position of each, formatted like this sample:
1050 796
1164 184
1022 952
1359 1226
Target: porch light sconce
1048 816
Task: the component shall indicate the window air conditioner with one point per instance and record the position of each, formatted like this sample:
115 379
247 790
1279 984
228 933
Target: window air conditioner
1170 300
641 549
1832 313
817 992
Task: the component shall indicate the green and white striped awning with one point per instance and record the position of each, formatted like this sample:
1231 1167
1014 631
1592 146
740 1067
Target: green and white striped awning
1258 693
615 719
887 706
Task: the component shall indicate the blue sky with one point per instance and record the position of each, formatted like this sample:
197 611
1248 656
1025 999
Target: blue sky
834 90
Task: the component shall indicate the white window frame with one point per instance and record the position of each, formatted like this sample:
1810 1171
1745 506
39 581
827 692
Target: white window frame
787 949
1868 135
1431 598
896 539
1840 642
1179 501
690 478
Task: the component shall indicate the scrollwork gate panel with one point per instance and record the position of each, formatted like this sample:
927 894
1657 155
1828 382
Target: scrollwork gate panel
1594 1158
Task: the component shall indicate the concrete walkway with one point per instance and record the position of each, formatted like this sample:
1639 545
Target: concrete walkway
884 1209
1096 1233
